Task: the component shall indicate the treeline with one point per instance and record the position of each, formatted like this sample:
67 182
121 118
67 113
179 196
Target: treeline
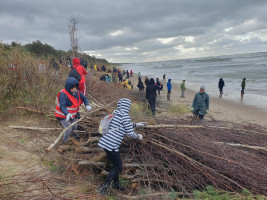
45 51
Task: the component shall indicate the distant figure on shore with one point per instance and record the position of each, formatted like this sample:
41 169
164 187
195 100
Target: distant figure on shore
151 94
158 83
164 77
169 87
139 75
131 72
120 76
221 85
127 73
200 105
182 86
243 85
140 85
131 79
146 80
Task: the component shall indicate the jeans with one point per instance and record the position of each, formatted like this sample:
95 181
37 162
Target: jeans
65 124
115 158
152 103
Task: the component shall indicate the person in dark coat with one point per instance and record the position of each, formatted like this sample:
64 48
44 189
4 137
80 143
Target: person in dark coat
221 85
120 76
158 83
151 94
146 80
243 85
140 85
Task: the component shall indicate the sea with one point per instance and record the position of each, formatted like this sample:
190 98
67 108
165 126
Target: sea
208 70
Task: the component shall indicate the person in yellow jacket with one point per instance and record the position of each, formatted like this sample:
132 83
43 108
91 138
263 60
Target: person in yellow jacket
126 84
95 68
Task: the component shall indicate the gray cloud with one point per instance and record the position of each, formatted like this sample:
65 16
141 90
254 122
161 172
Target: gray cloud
137 30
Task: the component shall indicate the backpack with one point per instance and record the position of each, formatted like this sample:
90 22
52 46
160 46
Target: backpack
75 74
104 124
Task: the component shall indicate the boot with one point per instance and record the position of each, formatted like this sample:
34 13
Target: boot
103 189
117 185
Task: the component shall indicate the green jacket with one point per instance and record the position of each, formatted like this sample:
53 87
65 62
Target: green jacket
201 103
182 86
243 84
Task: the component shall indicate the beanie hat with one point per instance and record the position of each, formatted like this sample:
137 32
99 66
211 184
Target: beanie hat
202 87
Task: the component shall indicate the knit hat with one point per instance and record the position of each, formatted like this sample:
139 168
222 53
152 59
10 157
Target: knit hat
202 87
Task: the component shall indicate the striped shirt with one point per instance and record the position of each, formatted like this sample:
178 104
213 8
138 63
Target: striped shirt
120 126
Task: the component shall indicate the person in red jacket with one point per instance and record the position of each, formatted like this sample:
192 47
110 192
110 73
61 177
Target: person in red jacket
82 71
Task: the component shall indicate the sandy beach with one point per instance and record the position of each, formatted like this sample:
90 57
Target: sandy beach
220 109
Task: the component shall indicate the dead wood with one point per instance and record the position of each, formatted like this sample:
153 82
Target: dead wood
242 145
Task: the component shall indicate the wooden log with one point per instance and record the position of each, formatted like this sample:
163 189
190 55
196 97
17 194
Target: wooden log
99 157
30 110
90 140
242 145
35 128
171 126
61 134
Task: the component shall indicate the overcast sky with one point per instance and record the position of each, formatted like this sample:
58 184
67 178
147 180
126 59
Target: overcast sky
140 30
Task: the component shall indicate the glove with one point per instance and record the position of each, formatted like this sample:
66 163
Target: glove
140 124
140 136
207 111
88 108
68 117
191 109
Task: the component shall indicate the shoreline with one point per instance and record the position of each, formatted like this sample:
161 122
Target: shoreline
220 109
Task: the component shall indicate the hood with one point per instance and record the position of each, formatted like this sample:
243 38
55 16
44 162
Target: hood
169 80
70 82
152 81
76 61
125 105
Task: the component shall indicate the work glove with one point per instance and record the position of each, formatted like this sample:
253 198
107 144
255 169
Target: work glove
88 108
191 109
68 117
140 124
140 136
207 111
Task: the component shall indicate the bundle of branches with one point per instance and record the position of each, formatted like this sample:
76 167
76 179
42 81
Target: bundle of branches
193 158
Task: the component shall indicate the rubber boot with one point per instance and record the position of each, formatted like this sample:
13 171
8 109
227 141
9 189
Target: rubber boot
117 185
103 189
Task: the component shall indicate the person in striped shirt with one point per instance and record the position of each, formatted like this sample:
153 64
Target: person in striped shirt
120 126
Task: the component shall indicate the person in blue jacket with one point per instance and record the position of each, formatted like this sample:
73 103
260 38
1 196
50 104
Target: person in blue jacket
68 102
169 86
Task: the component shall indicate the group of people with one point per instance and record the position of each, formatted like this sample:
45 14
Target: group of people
221 86
69 100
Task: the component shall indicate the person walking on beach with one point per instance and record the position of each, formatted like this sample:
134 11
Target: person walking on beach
164 77
221 85
140 85
182 86
146 81
67 106
151 94
139 75
120 76
243 85
200 105
169 87
119 127
158 83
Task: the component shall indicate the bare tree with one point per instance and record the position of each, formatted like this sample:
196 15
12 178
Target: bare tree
74 42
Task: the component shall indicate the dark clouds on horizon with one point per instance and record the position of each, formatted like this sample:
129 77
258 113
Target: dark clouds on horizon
138 30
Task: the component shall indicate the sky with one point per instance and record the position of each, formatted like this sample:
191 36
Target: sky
126 31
